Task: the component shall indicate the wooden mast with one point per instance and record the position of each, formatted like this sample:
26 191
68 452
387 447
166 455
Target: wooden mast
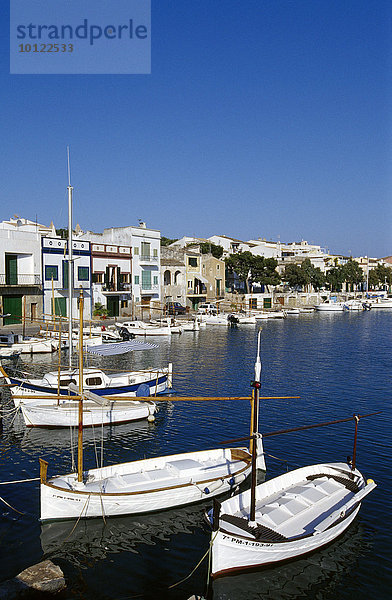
255 425
70 261
80 429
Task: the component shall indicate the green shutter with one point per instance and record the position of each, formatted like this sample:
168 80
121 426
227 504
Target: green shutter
11 269
146 280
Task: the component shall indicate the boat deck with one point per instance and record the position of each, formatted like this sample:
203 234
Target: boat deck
173 473
294 512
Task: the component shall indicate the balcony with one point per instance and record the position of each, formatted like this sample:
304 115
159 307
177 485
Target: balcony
147 258
150 286
20 279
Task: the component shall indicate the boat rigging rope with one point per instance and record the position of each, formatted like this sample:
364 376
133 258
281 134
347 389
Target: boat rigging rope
198 564
19 481
11 507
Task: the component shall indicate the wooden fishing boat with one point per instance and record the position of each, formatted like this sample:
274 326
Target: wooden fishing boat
150 484
96 411
288 516
144 486
295 513
15 342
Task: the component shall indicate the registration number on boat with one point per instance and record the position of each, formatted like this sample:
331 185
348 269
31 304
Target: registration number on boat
240 542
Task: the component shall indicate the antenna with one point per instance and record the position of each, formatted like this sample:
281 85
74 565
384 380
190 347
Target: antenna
69 168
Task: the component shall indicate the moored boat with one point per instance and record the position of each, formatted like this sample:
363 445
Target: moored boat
295 513
124 385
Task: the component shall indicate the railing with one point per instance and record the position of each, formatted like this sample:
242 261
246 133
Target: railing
150 286
120 287
147 258
18 279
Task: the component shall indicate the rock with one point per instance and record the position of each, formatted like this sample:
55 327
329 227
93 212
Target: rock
45 577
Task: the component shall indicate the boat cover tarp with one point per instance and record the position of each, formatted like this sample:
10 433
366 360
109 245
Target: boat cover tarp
120 347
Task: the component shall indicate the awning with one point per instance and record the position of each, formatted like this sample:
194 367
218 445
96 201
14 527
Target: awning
120 348
201 278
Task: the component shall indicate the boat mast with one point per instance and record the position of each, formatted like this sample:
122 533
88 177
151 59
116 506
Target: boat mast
70 260
80 428
255 428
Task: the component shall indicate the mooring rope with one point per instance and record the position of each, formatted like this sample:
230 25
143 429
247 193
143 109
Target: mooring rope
19 481
11 507
198 564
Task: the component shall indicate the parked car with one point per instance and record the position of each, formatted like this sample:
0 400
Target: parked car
175 308
207 309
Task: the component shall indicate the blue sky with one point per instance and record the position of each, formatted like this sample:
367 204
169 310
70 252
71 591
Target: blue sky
259 119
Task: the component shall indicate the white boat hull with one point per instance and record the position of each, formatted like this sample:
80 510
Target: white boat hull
147 485
295 514
66 414
330 307
236 554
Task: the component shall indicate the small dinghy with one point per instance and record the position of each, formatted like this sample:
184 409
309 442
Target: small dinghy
296 513
288 516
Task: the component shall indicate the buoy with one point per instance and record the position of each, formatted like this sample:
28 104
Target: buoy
369 481
151 418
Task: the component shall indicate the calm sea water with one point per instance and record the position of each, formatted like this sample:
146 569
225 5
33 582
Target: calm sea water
339 364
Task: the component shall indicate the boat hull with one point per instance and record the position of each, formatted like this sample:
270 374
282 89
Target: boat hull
226 558
67 413
158 382
146 486
295 514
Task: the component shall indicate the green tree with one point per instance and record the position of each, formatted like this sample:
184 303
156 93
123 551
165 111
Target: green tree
63 233
165 241
263 271
294 276
335 278
214 249
241 265
353 273
373 279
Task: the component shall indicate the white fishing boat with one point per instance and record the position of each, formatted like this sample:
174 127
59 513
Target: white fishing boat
292 311
330 306
96 411
144 486
242 319
296 513
212 319
151 484
144 329
27 345
380 302
353 305
272 314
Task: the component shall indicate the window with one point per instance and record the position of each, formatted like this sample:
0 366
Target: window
66 382
189 284
124 303
192 262
83 273
155 280
155 252
51 272
93 381
146 280
145 249
167 277
98 277
136 251
136 279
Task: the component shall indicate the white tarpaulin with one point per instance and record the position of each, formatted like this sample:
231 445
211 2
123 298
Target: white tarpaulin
120 348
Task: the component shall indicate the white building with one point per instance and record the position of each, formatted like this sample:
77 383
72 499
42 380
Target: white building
20 268
55 280
145 245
